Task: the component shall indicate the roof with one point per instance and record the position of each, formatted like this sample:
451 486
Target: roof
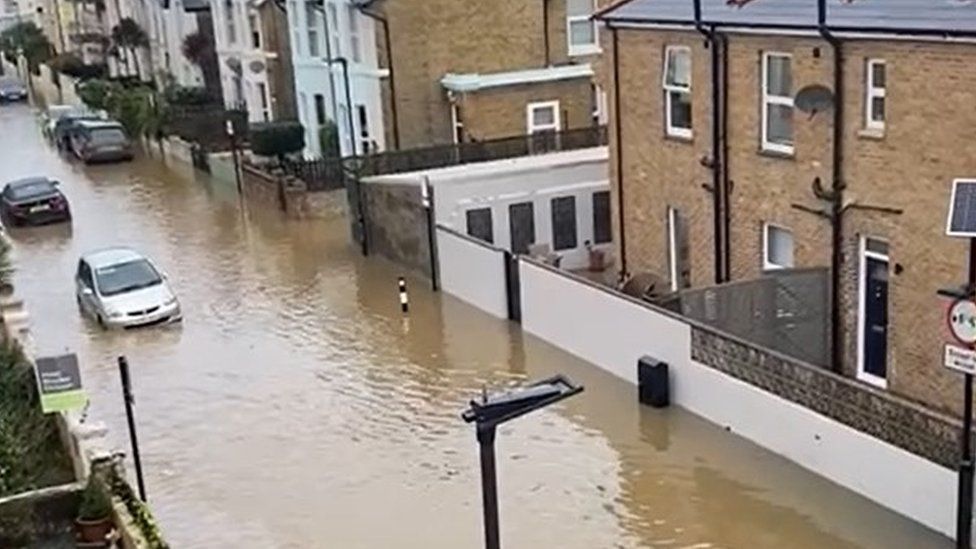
950 17
110 256
474 81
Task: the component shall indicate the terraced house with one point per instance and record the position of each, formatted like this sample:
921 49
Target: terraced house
755 137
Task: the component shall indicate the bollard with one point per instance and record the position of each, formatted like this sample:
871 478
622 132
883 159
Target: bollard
404 301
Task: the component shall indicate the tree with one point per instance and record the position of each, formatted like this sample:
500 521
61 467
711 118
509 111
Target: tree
28 39
198 48
128 36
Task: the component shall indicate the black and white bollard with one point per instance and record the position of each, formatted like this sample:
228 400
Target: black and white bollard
404 300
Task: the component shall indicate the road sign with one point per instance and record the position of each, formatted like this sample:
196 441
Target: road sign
961 319
59 382
960 359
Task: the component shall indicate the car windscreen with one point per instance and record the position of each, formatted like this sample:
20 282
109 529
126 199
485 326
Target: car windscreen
126 277
10 84
30 190
108 136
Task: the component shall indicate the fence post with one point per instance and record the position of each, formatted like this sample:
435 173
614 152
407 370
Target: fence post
513 291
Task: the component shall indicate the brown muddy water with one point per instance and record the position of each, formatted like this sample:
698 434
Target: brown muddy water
297 407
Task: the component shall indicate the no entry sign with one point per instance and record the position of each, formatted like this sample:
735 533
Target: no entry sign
961 320
59 382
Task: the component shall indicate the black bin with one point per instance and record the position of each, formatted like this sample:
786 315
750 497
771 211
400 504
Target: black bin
653 384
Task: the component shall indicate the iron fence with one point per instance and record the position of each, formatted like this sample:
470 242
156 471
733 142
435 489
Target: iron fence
327 173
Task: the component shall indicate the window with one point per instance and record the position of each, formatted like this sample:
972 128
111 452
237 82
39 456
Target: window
563 222
777 107
365 144
581 31
312 21
777 248
601 218
479 224
319 109
354 34
263 101
229 16
677 91
457 122
875 101
332 28
254 23
521 226
543 117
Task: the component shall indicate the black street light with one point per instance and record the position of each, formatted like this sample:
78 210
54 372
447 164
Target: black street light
493 410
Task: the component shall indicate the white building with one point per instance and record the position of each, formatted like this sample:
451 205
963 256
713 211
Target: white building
168 24
9 14
322 36
242 58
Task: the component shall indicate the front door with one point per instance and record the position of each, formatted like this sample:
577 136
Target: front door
874 312
521 223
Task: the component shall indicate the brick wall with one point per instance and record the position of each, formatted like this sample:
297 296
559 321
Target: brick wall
501 112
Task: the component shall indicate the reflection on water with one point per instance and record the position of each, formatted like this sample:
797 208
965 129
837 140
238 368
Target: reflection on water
297 407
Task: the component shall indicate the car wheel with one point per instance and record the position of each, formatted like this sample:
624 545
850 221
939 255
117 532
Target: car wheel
101 321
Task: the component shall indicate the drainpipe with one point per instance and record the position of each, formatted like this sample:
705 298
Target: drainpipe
837 190
389 61
328 53
619 156
545 31
727 183
716 160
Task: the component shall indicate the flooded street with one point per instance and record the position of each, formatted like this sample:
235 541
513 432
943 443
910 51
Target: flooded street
297 407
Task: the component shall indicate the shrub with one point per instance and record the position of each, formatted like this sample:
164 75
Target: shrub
277 139
97 93
329 140
95 503
180 95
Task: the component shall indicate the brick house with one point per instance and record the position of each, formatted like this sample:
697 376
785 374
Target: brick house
719 176
469 70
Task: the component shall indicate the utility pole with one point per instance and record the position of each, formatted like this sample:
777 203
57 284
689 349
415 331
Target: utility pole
133 438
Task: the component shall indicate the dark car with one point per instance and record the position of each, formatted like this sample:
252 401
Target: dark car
100 141
12 89
33 201
67 125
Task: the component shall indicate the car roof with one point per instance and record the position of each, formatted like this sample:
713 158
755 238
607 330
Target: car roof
110 256
28 181
98 124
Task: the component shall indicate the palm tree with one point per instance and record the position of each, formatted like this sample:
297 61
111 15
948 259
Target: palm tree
128 36
6 267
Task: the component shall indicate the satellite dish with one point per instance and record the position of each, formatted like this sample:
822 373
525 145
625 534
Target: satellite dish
813 99
256 66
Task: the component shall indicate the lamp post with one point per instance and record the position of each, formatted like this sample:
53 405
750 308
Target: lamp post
130 417
229 127
493 410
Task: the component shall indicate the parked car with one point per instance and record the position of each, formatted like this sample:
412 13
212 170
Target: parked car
120 288
66 125
33 201
100 141
12 89
51 116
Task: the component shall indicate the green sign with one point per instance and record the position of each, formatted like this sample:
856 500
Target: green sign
59 382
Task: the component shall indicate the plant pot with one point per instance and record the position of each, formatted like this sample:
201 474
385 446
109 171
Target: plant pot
93 530
597 260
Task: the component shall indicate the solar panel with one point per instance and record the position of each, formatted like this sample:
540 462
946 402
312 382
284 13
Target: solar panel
962 209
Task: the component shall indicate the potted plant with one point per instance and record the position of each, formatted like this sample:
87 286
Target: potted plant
94 520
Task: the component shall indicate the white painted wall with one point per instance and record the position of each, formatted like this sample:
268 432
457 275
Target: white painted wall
238 59
473 272
538 179
314 74
612 332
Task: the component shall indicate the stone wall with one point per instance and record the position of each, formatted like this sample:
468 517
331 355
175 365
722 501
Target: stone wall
396 224
882 415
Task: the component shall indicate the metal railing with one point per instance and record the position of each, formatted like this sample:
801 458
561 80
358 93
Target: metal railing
327 173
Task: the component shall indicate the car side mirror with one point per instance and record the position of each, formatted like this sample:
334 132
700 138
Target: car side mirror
87 291
56 183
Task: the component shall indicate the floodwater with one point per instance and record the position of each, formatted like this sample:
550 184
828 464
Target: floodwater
297 407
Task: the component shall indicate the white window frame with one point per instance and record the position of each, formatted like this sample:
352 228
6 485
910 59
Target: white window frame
768 99
872 92
767 264
530 126
264 100
332 28
254 26
673 248
312 31
863 254
355 41
364 138
671 130
582 49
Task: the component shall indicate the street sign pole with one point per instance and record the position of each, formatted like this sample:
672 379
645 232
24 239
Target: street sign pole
964 522
129 401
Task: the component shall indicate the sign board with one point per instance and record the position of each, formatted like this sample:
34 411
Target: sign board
962 209
961 319
960 359
59 383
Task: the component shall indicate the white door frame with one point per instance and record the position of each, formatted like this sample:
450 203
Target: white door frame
863 255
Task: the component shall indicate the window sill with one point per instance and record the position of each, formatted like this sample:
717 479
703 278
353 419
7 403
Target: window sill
874 134
772 153
679 138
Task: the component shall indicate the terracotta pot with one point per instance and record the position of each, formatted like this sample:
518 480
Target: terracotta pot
93 530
